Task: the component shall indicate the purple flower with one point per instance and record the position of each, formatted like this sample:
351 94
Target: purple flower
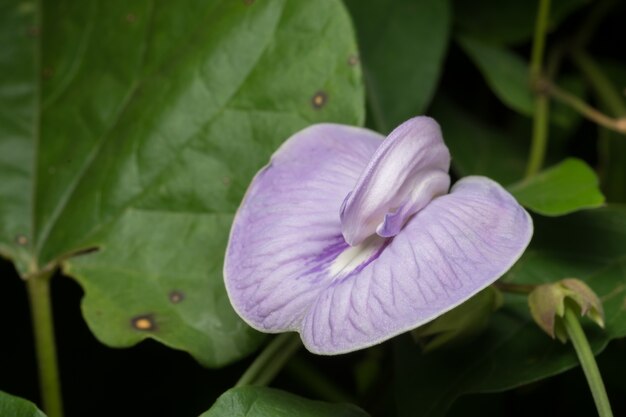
350 239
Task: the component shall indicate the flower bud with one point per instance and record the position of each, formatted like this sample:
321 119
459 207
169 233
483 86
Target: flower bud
547 302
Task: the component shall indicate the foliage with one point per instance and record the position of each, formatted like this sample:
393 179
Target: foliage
129 133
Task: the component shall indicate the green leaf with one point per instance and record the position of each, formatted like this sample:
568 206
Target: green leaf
478 148
402 43
131 131
567 187
507 75
588 245
507 21
268 402
505 72
17 407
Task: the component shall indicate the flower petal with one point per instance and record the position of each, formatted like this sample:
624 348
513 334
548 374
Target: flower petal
287 230
407 171
447 252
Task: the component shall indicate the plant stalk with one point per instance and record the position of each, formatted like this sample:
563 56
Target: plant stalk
539 40
603 87
612 147
38 286
588 362
269 363
596 116
539 140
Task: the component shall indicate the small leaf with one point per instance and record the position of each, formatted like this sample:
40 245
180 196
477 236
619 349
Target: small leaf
402 43
567 187
11 406
268 402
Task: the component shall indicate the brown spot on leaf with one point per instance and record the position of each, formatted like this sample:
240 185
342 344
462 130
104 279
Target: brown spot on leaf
226 180
353 60
21 240
47 72
131 18
145 322
33 31
319 99
248 2
176 296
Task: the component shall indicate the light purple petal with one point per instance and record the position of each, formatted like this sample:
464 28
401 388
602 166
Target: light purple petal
406 172
288 266
447 252
288 230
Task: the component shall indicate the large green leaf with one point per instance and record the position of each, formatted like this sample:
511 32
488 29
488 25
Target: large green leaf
477 148
134 129
590 245
567 187
268 402
508 21
11 406
402 43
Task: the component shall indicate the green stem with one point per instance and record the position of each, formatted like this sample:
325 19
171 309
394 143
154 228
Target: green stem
588 362
267 365
43 327
611 146
596 116
539 41
539 141
604 88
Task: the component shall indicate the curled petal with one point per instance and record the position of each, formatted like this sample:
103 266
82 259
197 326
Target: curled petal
288 266
287 230
447 252
407 171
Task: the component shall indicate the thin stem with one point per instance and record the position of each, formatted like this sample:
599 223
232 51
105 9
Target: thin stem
43 327
539 140
588 362
539 41
604 88
618 125
514 288
611 147
267 365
